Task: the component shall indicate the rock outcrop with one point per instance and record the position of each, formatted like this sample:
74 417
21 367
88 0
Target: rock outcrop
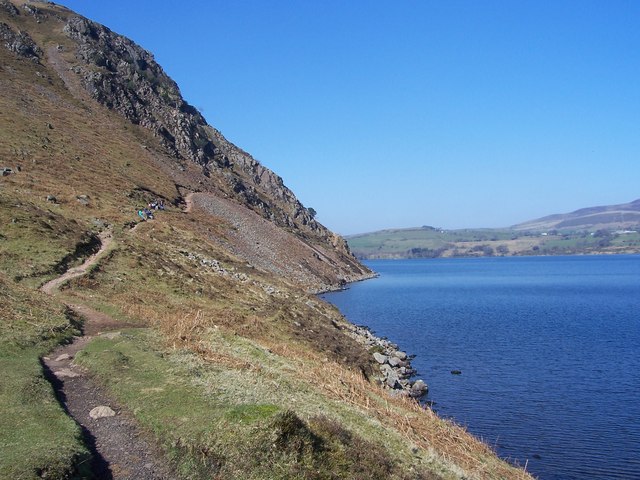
19 43
124 77
394 364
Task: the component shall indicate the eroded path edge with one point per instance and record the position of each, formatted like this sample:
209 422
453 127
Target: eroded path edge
120 449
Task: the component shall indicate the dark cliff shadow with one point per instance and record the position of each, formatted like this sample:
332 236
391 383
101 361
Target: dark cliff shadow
99 467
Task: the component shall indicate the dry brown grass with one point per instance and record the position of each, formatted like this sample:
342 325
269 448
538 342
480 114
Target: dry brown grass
189 325
186 322
419 425
186 330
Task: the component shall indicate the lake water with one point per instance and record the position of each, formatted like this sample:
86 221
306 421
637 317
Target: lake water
548 347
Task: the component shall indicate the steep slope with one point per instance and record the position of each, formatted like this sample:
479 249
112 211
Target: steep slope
124 77
95 63
222 355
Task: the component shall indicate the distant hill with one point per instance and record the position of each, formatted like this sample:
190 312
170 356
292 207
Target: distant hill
606 229
215 346
613 217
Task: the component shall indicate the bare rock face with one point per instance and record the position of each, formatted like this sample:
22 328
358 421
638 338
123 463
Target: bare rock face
124 77
19 43
9 7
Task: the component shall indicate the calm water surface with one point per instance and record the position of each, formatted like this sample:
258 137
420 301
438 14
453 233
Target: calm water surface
549 349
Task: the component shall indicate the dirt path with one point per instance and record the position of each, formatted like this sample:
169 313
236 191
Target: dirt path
52 285
189 201
120 449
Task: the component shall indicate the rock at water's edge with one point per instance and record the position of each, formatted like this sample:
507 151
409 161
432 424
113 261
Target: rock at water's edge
381 359
418 389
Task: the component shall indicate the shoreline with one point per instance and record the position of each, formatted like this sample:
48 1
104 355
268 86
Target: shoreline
395 370
342 285
394 364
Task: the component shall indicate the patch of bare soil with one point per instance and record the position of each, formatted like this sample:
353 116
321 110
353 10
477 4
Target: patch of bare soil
189 202
120 450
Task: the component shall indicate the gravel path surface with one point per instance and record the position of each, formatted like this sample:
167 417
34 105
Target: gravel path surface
120 449
51 286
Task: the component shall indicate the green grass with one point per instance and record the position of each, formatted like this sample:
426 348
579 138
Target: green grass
37 438
428 242
161 399
34 240
400 242
212 419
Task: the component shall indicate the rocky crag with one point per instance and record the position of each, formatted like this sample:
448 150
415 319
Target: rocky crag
124 77
224 356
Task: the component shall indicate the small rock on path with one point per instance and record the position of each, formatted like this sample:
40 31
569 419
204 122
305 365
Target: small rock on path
101 411
120 449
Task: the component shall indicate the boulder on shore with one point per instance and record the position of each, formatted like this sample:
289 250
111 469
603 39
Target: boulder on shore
418 389
381 359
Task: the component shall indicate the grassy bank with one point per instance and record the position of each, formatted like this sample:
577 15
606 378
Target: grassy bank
242 413
240 375
221 376
37 438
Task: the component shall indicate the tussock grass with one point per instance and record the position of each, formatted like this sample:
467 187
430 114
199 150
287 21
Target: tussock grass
444 440
240 349
233 436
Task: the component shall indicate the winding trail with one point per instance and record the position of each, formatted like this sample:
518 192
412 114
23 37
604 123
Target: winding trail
120 450
189 201
52 285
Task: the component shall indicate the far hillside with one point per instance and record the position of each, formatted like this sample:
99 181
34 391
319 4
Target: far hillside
595 230
610 217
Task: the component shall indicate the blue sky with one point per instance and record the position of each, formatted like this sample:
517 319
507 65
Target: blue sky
455 114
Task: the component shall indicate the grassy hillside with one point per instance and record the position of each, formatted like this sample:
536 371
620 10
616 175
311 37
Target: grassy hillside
37 438
609 217
428 242
228 363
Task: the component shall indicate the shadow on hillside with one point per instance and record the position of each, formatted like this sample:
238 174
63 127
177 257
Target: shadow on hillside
99 466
